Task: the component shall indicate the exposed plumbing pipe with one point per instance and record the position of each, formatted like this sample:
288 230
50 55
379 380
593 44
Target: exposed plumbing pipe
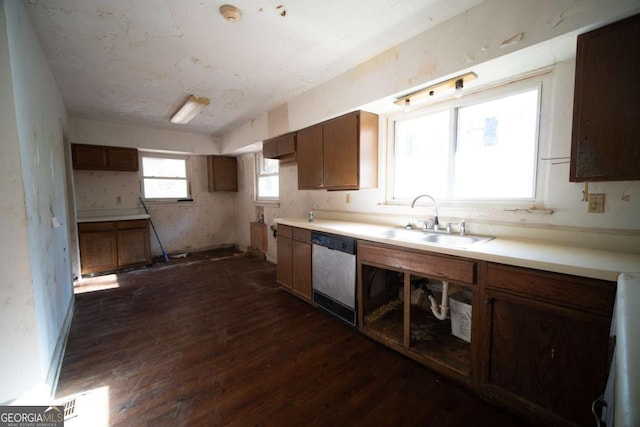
442 311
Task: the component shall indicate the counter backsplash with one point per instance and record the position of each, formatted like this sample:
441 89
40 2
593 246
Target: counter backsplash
94 213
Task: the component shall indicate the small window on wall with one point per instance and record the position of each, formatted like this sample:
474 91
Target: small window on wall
268 182
164 177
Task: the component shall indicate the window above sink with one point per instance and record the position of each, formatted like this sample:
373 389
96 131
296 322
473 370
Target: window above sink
482 147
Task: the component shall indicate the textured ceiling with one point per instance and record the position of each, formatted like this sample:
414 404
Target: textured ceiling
136 61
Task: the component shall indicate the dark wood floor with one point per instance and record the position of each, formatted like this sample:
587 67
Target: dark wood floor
212 340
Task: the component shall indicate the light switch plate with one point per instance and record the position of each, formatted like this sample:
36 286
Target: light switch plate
596 203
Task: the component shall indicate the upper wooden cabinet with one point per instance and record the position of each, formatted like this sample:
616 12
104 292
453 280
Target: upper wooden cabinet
98 157
222 173
309 156
339 154
282 147
605 143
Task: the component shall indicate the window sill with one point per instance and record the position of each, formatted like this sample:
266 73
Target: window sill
169 203
267 203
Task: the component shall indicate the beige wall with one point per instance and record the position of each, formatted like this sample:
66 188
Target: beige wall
97 132
474 41
206 222
36 297
608 230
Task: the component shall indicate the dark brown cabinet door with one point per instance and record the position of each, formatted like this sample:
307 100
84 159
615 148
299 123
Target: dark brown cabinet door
106 246
553 358
277 147
133 245
605 143
340 154
270 148
89 156
98 157
284 269
222 173
123 159
98 247
309 156
294 260
258 236
302 268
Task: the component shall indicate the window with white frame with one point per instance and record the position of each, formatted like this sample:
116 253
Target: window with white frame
267 181
484 148
164 177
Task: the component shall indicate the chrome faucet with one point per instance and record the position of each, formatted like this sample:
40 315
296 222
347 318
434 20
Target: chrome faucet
435 204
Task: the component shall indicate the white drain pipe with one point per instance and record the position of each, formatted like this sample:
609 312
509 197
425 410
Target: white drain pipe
442 311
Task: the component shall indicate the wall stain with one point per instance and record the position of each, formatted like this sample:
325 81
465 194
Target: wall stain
426 70
373 65
514 39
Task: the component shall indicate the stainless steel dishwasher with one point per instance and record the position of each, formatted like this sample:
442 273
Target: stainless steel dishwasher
333 263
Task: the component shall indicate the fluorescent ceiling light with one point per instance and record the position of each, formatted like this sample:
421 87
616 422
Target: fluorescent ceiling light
190 109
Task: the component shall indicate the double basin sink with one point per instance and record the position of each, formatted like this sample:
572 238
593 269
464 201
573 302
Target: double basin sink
420 236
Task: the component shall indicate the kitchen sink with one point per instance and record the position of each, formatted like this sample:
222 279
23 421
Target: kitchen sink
403 234
419 236
455 239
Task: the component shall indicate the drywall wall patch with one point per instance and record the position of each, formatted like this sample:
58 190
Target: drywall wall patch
514 39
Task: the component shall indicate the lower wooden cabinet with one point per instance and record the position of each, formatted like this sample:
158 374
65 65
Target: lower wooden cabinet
258 236
133 246
545 351
294 260
393 308
107 246
284 268
98 247
539 341
301 271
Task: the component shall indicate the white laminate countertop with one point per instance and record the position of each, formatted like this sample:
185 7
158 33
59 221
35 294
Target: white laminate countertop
593 263
111 217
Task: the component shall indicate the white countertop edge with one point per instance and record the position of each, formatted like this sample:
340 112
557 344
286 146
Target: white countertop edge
591 263
102 218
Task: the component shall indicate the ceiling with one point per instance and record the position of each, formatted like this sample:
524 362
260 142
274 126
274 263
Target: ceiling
136 61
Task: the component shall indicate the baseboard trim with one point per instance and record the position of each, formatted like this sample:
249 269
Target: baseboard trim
58 354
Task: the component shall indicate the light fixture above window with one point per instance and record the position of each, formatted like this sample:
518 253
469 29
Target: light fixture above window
190 109
452 86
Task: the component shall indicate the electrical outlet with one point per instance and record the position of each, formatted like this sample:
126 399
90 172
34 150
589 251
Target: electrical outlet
596 203
347 198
